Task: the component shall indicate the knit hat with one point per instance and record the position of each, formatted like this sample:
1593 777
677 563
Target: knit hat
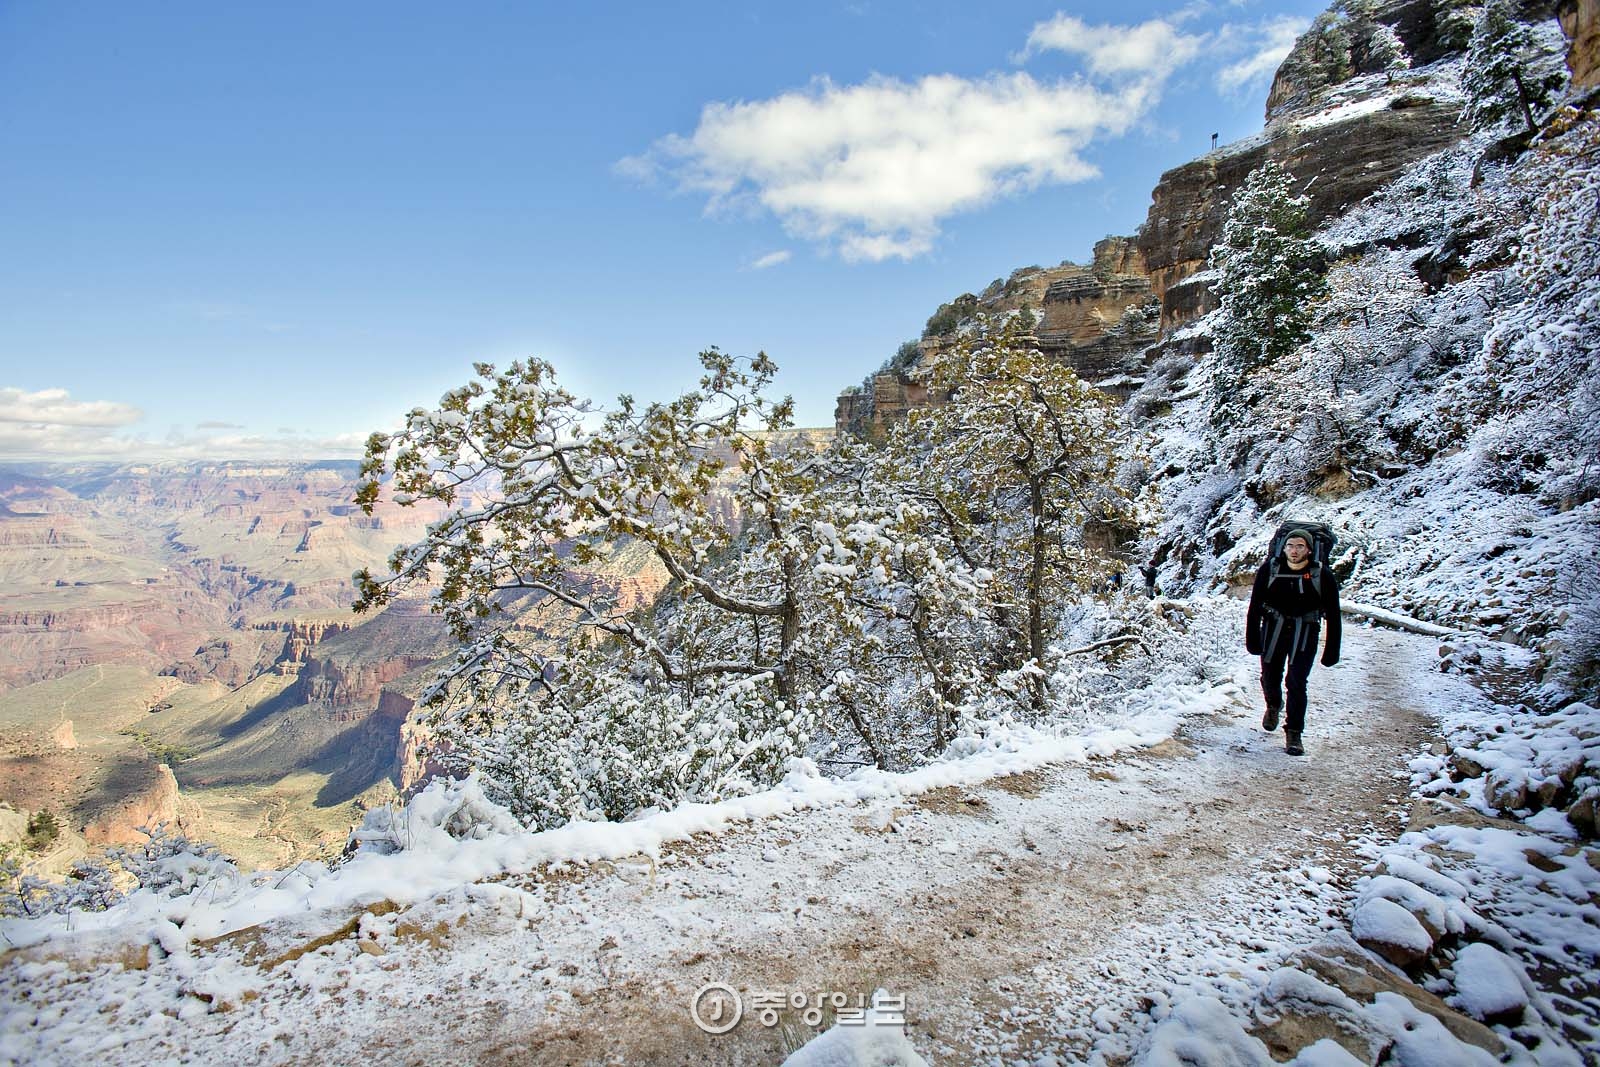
1303 535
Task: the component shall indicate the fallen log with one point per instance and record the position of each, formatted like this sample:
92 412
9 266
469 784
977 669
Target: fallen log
1395 619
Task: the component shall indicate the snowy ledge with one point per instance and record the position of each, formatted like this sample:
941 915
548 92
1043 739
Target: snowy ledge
432 861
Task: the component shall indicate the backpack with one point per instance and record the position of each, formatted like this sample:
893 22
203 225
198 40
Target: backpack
1322 542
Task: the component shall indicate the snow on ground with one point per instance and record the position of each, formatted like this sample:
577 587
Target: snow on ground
1075 909
418 855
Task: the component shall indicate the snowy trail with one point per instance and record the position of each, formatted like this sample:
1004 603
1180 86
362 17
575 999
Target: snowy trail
1016 917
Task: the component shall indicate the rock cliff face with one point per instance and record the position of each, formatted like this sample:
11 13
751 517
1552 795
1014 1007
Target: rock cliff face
345 671
886 400
1427 30
1337 157
1580 21
1079 310
351 689
156 802
417 767
300 637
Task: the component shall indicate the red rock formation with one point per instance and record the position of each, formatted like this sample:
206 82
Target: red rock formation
301 636
1580 21
156 803
1078 309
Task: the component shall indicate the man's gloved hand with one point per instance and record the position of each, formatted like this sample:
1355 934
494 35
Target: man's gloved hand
1329 659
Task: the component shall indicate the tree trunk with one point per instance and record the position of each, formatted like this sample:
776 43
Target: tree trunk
1522 102
1036 583
789 634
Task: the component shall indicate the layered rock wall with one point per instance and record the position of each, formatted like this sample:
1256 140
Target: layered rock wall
1077 308
300 638
1580 21
1336 159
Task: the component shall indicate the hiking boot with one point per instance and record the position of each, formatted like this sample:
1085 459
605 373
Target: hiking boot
1291 743
1269 721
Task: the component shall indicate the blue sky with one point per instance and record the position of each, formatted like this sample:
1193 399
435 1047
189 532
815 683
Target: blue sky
265 230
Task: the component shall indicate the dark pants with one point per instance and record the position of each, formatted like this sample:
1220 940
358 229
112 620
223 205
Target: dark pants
1272 680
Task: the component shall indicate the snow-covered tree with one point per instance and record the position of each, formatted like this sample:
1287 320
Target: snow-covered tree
1022 458
1500 77
1321 55
1269 280
792 583
1374 46
1325 405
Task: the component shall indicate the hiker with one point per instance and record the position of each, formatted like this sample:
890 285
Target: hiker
1148 572
1293 593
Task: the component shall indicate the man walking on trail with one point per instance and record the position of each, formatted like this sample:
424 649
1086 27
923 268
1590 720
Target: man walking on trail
1291 597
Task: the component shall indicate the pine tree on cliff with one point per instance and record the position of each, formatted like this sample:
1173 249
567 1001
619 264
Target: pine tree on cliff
1270 277
1321 57
1499 77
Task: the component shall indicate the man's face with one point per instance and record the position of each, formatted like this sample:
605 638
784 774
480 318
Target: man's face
1296 550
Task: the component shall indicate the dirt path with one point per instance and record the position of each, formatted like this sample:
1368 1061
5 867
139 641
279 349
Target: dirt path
1009 915
1025 917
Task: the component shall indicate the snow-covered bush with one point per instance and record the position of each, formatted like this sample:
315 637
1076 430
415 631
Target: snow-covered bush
448 810
613 746
166 862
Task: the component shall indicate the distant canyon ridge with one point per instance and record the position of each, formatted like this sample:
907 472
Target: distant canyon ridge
177 644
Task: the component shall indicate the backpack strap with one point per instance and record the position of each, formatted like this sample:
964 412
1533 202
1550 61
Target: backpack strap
1316 575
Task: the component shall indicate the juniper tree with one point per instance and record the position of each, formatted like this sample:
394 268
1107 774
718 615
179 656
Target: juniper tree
784 572
1499 76
1269 279
1013 467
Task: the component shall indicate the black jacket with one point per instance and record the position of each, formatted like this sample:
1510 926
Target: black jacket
1293 594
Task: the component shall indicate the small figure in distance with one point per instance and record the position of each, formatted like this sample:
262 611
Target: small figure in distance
1148 572
1293 593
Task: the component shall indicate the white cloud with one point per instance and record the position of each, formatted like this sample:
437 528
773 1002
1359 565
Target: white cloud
50 425
1265 44
55 407
771 259
872 169
1149 50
